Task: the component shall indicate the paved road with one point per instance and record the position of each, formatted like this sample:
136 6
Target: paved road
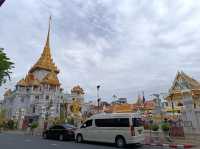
19 141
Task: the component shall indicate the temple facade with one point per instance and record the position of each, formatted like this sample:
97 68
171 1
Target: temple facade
38 93
184 99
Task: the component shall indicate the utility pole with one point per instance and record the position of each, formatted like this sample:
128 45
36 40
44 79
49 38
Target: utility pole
98 98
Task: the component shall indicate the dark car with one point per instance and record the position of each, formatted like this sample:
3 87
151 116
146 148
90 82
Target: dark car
60 132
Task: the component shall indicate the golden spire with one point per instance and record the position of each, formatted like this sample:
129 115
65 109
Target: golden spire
47 46
45 61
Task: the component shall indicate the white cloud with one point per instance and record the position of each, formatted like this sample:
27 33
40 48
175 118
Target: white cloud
127 46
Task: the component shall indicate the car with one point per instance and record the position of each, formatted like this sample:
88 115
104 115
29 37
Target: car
60 132
118 128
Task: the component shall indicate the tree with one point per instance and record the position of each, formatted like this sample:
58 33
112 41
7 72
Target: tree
5 67
2 117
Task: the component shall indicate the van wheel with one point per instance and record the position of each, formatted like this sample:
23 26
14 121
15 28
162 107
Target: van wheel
120 142
61 138
79 138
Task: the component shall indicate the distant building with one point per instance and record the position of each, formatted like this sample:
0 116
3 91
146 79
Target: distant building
120 101
184 100
39 94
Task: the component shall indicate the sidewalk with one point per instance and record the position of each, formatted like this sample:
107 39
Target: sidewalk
174 142
194 141
14 132
21 132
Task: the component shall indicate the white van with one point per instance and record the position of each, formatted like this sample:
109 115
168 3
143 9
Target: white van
118 128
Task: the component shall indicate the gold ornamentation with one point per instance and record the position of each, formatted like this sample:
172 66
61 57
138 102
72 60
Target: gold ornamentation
51 79
75 107
29 80
77 90
45 61
8 92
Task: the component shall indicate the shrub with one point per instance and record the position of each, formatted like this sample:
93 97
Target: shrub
165 127
11 124
155 127
34 125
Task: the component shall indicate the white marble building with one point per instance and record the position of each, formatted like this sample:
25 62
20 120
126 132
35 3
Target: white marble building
39 93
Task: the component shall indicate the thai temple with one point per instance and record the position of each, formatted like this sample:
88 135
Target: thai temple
39 93
184 101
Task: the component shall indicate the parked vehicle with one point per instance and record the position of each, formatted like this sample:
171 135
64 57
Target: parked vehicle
118 128
60 132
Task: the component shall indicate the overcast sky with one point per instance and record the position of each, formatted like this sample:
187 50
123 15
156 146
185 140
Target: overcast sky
126 46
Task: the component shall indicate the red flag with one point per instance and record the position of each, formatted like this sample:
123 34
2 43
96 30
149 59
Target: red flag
1 2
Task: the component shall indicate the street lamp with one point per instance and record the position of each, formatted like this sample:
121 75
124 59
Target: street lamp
98 98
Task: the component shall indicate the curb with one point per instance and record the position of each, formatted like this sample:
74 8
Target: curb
173 146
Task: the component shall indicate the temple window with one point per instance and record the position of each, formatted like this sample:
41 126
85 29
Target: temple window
27 89
22 99
36 97
180 104
33 109
47 97
195 106
35 88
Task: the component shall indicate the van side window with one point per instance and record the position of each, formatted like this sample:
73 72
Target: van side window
113 122
88 123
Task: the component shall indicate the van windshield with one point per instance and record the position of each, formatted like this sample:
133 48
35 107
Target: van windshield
137 122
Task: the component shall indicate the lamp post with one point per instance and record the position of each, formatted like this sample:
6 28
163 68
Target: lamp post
98 98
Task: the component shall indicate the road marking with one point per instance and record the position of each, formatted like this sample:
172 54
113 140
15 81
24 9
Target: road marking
53 144
27 140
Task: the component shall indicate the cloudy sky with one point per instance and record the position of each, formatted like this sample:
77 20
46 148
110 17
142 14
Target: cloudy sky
126 46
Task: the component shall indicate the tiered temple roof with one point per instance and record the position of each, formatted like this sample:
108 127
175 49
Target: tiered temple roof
183 81
8 92
45 61
51 79
30 80
78 90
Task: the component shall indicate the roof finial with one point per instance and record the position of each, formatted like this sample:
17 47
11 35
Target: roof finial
47 42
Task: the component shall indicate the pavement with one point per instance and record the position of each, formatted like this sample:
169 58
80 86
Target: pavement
173 142
17 140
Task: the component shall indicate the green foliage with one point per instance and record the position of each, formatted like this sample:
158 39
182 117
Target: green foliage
5 67
34 125
2 117
155 127
70 120
10 124
165 127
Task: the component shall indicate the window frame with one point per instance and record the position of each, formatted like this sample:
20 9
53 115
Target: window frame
113 122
